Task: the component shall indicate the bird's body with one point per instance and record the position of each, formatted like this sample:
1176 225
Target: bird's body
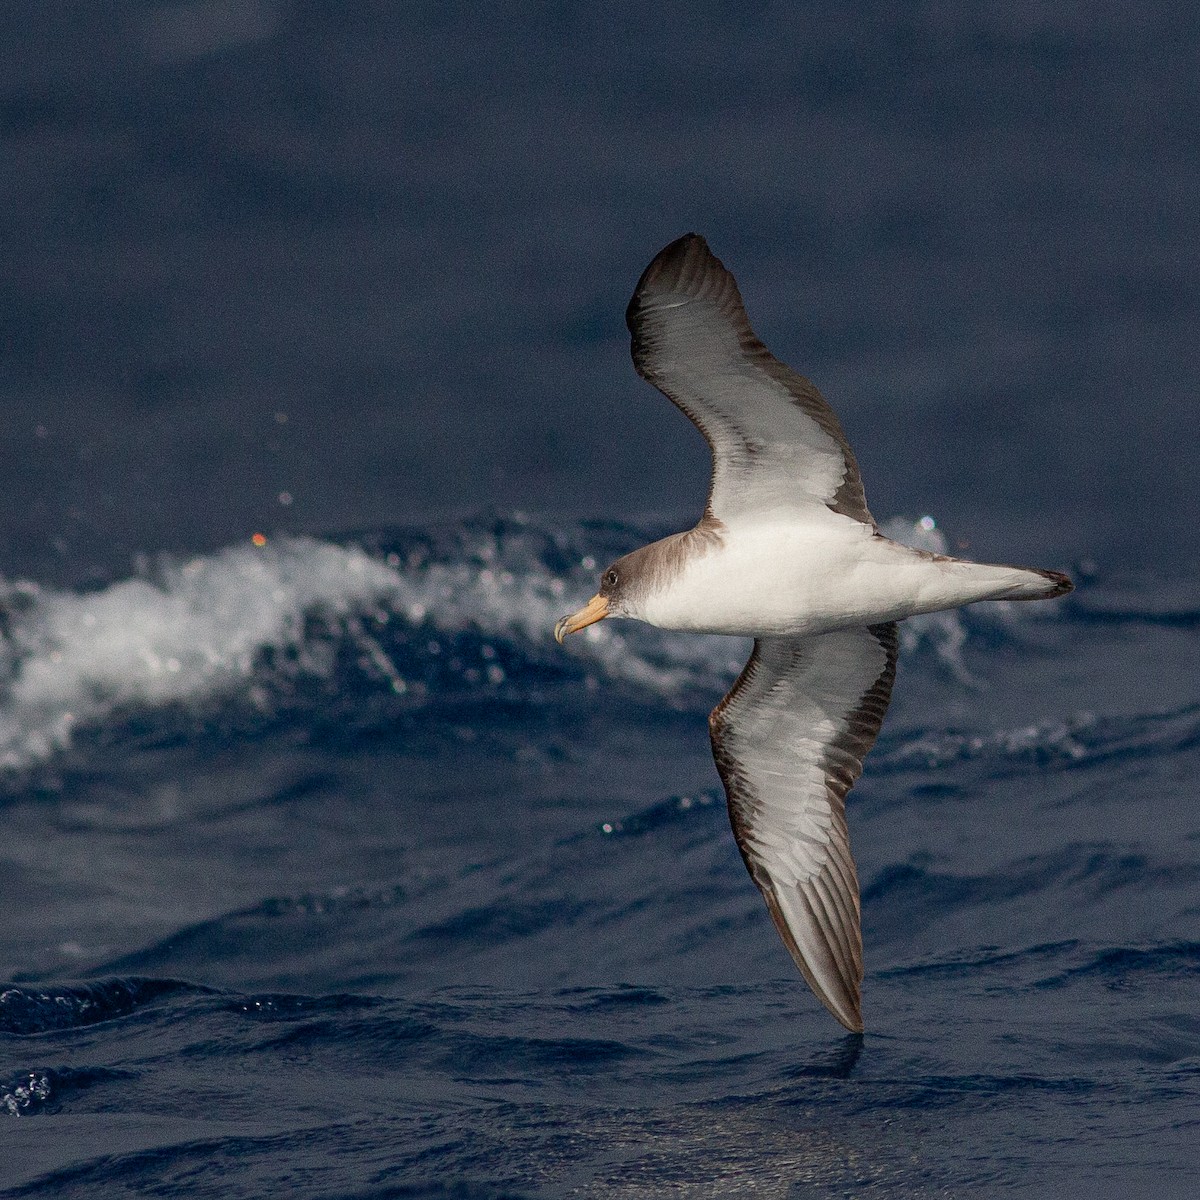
787 552
775 578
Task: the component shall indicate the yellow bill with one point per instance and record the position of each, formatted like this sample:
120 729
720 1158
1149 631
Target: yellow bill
595 610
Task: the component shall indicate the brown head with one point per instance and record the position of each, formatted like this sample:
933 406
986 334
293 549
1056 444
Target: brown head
612 600
629 584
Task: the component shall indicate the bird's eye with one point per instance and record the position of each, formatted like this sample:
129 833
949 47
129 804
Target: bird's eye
610 579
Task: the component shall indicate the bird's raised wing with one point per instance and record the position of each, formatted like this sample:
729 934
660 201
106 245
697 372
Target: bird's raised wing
789 740
776 444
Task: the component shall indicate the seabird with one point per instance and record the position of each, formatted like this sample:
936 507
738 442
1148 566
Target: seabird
787 552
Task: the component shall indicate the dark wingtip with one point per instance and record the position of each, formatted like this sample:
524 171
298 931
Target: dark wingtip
678 249
846 1010
669 265
1062 583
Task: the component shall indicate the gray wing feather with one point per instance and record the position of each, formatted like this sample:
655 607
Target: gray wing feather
776 443
789 741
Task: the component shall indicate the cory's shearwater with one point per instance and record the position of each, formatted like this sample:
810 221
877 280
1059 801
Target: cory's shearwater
787 553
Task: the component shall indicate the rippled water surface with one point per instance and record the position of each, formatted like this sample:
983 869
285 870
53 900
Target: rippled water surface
324 872
328 873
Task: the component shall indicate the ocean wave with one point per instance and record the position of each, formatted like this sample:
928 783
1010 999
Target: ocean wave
46 1090
460 610
191 631
1078 741
1041 743
683 889
25 1011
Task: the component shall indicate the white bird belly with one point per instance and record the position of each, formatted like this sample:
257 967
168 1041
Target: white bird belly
796 580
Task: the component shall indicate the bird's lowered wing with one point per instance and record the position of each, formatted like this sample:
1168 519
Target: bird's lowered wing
789 740
776 444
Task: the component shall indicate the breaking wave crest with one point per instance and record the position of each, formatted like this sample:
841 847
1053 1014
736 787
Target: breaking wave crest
414 614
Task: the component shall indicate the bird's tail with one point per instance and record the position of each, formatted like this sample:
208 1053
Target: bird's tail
996 581
1040 584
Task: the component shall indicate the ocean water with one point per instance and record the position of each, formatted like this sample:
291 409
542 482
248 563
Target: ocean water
324 871
327 873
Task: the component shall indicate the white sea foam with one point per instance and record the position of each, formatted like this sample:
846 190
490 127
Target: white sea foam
197 630
522 603
192 632
1066 740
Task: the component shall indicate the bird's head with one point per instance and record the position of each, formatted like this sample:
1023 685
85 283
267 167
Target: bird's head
614 599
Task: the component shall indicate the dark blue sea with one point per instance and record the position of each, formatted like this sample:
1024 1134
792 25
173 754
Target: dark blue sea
324 871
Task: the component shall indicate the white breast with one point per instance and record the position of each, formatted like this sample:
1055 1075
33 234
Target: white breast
767 578
794 579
